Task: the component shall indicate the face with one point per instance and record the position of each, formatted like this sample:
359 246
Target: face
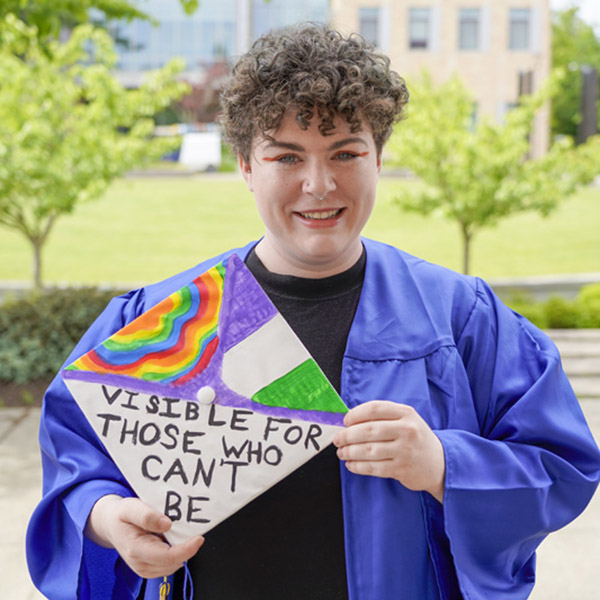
314 194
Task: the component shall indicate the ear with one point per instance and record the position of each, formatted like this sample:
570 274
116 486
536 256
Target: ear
246 172
379 162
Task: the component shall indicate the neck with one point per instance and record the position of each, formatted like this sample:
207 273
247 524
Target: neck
276 263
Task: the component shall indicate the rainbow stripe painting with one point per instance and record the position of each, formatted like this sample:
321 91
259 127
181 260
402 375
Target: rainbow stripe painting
219 333
171 343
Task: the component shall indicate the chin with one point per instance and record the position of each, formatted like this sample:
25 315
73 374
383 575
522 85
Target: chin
323 253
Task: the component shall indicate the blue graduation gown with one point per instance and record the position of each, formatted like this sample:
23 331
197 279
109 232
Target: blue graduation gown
520 459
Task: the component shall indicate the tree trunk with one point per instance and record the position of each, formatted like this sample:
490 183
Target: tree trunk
37 241
467 235
37 265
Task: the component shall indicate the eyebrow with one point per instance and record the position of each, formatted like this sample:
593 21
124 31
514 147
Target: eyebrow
298 148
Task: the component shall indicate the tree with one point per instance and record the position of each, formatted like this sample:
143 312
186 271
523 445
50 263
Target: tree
68 127
50 16
477 174
201 105
574 46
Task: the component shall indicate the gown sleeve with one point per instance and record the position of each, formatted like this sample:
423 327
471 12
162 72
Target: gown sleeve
77 471
531 469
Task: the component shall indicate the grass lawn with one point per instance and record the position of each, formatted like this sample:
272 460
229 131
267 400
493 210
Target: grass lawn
145 229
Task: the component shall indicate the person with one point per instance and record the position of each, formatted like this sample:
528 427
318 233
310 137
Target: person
464 445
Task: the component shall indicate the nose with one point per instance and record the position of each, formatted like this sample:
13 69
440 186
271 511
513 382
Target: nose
318 180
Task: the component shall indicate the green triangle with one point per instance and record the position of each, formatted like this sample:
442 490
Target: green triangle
303 388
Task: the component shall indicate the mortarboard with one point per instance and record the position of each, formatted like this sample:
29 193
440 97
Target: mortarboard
207 399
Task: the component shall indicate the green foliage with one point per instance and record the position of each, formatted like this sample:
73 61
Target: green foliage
27 397
533 311
588 304
50 16
559 313
190 6
228 160
67 125
574 45
39 332
478 174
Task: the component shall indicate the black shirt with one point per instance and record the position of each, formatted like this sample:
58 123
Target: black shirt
288 543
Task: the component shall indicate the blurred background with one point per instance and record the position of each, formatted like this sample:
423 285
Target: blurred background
114 174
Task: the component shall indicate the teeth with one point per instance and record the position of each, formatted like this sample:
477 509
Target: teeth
321 215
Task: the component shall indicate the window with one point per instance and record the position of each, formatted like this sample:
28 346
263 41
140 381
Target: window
419 27
368 25
519 29
469 23
525 83
203 37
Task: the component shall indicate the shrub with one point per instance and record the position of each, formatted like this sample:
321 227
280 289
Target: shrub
588 306
40 330
559 313
533 311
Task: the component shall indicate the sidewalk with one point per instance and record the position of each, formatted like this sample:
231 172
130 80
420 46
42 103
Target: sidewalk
20 490
568 561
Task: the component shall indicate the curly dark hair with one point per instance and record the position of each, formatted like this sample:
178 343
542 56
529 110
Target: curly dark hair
312 69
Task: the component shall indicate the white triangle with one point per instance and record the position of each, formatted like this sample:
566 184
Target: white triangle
179 456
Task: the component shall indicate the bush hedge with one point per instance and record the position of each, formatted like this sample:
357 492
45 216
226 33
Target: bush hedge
40 330
558 313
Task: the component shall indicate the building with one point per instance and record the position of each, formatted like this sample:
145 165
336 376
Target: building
499 48
216 31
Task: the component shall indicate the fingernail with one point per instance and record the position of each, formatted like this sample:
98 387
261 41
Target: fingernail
164 522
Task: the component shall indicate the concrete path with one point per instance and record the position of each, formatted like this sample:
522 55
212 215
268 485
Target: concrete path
580 353
568 561
20 491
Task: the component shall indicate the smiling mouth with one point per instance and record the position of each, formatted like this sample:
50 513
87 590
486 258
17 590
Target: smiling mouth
321 215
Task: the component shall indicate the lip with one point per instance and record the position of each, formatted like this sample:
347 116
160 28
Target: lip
319 223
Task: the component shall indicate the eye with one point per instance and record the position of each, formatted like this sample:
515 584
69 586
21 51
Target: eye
288 159
345 155
284 159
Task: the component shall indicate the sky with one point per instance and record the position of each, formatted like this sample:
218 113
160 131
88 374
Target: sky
589 9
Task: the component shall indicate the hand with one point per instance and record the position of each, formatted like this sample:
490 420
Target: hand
385 439
135 531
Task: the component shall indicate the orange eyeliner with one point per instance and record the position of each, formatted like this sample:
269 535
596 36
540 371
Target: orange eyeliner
357 154
275 157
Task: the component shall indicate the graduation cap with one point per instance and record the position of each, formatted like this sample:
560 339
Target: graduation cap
206 400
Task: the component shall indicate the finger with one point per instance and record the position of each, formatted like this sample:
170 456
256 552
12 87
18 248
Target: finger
189 548
143 516
177 553
181 553
372 431
155 554
379 468
368 451
376 410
